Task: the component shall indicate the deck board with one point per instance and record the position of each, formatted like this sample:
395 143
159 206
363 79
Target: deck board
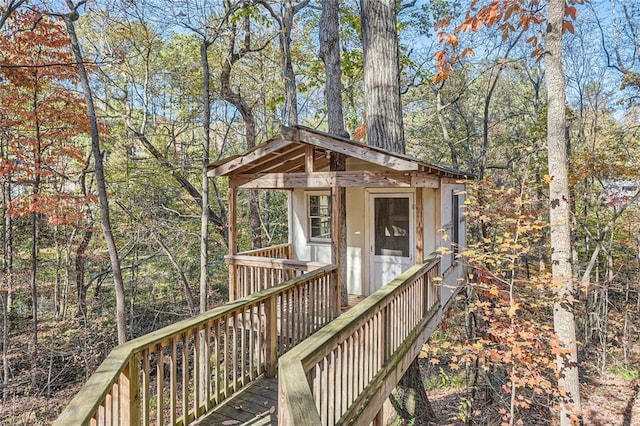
255 405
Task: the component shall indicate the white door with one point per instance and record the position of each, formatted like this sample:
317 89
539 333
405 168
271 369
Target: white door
392 231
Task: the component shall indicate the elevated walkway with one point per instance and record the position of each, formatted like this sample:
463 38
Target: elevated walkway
220 368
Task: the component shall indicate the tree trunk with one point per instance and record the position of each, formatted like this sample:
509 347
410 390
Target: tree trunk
204 222
382 75
559 218
6 288
330 54
246 111
99 171
410 399
33 279
6 235
5 345
290 88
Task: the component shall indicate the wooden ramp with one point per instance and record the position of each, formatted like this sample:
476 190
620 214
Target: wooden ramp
255 405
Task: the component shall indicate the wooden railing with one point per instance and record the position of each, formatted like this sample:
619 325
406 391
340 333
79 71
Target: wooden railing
177 374
260 269
280 251
344 373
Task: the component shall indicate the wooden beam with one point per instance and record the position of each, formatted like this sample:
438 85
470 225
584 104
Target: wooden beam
353 149
370 179
233 235
419 225
249 157
337 243
277 158
309 159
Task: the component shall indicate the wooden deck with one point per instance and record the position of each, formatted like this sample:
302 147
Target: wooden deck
256 405
341 375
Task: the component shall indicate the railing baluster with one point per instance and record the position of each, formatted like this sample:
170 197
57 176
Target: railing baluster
185 378
160 385
215 361
197 373
146 385
173 361
207 366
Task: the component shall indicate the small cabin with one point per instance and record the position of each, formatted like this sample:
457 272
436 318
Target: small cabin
398 208
361 219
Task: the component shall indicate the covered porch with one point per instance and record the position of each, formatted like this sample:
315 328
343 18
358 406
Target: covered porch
372 214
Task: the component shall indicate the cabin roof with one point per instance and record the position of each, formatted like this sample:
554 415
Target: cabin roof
293 150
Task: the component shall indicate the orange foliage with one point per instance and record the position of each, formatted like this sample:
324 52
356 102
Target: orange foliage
510 334
507 15
42 120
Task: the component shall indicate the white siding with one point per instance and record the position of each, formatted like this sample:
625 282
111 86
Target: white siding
304 249
451 274
436 224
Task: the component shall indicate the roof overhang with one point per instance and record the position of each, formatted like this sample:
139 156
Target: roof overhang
299 157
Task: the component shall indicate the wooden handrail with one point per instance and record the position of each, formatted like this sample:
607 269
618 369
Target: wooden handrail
251 273
280 251
343 373
176 374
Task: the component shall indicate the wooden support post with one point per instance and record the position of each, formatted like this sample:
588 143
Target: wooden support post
337 163
271 336
419 226
337 241
309 158
233 247
378 420
129 392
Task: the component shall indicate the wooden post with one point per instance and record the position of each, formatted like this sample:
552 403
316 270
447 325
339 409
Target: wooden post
309 159
129 392
233 248
419 226
378 420
337 243
271 336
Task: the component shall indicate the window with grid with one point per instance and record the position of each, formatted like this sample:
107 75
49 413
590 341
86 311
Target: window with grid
319 212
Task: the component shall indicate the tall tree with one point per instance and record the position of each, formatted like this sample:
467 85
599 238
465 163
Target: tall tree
560 218
98 160
382 75
288 11
509 16
330 54
236 51
41 124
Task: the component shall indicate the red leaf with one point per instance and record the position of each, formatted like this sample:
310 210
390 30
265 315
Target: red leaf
571 11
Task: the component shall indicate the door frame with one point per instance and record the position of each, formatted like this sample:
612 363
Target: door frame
370 196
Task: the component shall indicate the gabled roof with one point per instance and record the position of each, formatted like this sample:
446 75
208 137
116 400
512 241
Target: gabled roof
287 153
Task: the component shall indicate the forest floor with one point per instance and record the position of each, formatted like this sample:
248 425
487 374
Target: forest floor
609 400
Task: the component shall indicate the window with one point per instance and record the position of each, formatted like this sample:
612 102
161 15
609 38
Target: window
319 211
392 226
455 213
